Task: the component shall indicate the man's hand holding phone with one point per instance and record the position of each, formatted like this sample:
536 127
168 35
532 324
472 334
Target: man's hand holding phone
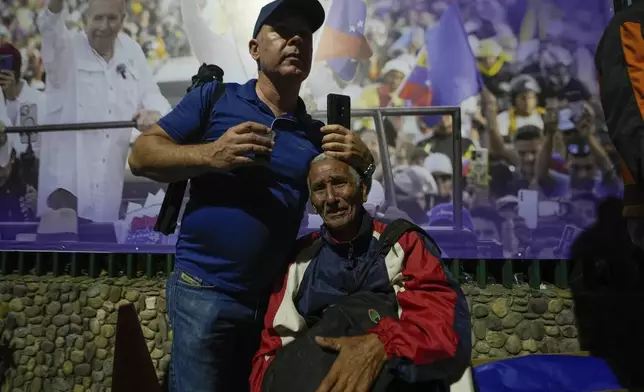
247 144
345 145
338 141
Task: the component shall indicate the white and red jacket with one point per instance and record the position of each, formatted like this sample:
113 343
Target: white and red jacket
433 326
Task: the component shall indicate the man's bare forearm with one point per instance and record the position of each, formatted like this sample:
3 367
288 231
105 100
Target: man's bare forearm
55 6
162 160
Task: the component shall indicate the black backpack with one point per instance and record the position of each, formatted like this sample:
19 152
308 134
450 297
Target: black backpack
169 213
303 364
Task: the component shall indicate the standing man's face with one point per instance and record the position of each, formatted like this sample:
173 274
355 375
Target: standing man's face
103 22
284 47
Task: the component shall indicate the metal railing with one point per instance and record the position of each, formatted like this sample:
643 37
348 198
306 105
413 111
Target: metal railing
86 264
132 265
71 127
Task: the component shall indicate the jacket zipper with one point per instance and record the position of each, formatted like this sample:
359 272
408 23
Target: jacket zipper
352 268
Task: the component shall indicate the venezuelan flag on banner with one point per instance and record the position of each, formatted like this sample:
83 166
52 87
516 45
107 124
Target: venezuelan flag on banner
455 77
343 42
417 87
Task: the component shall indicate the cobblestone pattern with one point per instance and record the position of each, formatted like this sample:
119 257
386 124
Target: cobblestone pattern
519 321
63 329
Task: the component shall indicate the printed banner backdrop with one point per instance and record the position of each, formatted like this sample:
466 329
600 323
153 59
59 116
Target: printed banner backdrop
502 61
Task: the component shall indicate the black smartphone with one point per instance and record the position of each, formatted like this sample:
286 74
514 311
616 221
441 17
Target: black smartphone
338 110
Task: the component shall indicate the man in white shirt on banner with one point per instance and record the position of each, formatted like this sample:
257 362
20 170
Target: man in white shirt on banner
96 75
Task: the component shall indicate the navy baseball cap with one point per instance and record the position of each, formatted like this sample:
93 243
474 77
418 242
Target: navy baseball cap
312 10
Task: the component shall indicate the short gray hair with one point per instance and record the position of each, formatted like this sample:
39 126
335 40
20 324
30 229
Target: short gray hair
353 173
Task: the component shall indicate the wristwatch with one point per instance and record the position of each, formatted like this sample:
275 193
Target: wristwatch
368 172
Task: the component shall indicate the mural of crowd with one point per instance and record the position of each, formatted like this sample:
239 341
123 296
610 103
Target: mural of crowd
536 158
535 123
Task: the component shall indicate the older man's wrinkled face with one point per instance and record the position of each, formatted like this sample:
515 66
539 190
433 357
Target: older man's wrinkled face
103 22
284 46
335 193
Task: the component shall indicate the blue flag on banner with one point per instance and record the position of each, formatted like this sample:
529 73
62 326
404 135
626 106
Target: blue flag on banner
343 42
452 71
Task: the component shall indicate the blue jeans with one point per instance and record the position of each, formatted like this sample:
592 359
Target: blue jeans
215 336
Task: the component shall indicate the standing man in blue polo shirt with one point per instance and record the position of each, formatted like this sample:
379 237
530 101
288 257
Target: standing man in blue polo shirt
247 198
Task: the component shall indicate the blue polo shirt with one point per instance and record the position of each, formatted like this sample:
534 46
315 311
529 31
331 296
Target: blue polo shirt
239 227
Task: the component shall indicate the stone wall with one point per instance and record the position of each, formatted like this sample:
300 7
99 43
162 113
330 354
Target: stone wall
521 321
63 328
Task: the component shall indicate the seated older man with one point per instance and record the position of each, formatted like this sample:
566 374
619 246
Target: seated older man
426 338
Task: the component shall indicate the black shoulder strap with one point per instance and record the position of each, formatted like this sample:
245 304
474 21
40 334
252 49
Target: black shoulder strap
220 89
395 230
208 73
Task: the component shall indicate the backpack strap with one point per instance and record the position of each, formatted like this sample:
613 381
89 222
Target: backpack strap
208 73
395 230
169 214
219 92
